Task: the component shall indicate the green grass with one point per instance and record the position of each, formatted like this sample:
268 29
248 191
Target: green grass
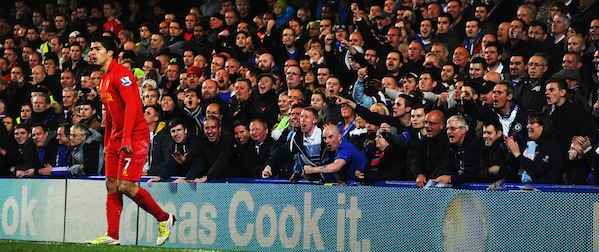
31 246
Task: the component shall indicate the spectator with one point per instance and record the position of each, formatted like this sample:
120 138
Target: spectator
241 149
445 34
455 8
112 23
87 153
22 155
493 154
541 161
562 113
342 160
176 39
260 148
461 163
63 155
429 156
181 147
160 141
518 69
303 146
70 98
529 92
473 40
89 116
193 110
144 39
265 100
43 112
44 156
216 145
151 97
76 64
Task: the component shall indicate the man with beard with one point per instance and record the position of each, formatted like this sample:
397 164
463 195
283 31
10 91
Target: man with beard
518 68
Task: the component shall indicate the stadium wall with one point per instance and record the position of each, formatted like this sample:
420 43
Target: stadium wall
276 217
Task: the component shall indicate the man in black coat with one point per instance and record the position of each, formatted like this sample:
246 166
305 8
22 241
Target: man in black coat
432 149
461 163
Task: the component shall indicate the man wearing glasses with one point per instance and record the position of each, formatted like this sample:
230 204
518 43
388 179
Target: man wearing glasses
431 151
529 93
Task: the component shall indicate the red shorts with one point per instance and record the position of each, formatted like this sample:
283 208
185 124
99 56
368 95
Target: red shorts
125 166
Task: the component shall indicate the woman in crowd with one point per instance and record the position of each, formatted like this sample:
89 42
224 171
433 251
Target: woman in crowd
26 111
541 162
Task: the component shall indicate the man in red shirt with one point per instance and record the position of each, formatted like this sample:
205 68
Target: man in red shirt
127 143
112 24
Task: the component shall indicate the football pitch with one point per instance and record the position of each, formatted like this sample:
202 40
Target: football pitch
33 246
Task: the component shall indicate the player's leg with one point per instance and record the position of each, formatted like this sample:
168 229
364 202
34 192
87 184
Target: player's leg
132 166
114 200
143 199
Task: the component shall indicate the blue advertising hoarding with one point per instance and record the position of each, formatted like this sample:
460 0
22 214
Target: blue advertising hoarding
277 217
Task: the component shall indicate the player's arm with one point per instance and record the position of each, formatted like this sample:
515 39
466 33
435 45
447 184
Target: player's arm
107 128
129 93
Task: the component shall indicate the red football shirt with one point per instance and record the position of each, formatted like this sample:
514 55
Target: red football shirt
124 116
114 26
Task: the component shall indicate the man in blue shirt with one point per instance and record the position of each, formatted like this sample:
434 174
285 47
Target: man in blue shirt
341 159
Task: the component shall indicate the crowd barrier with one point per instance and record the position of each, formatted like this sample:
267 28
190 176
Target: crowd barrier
274 215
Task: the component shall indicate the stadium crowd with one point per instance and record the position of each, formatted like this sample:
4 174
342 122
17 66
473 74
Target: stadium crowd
453 91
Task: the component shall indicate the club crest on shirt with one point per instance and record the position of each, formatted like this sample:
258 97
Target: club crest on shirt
518 127
545 159
126 81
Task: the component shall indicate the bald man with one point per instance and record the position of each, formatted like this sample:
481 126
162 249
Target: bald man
430 155
342 161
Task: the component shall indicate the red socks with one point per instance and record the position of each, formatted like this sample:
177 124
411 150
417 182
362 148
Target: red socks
114 206
144 200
